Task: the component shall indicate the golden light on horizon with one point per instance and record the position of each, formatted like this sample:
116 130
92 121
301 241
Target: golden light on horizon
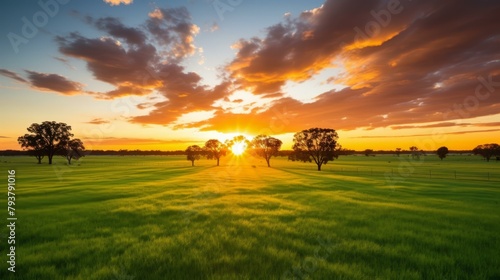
239 148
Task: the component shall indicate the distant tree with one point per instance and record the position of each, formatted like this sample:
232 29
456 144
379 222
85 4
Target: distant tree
368 152
442 152
315 144
415 153
487 150
266 147
51 137
215 149
73 149
193 153
398 151
34 144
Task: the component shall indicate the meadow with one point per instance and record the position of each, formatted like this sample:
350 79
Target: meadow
156 217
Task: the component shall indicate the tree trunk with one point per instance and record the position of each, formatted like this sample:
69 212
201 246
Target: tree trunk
319 166
69 160
267 160
217 161
192 163
50 159
39 160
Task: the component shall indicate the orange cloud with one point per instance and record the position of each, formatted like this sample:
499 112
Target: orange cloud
118 2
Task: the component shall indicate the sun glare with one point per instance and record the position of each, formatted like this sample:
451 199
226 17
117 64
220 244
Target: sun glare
238 148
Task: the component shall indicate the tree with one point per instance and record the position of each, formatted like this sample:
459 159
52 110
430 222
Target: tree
73 149
368 152
34 144
315 144
487 150
442 152
215 149
193 153
266 147
398 151
49 137
414 152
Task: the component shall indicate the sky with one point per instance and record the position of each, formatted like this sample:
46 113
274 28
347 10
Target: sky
163 75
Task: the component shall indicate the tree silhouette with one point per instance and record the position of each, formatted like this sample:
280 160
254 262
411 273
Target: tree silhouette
368 152
215 149
49 137
34 144
414 152
315 144
193 153
266 147
487 150
442 152
398 151
73 149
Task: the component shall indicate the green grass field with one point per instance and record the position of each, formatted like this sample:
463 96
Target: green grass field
152 217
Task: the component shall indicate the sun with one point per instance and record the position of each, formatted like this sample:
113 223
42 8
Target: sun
239 148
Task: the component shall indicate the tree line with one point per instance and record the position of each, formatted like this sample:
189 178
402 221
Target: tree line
262 145
318 145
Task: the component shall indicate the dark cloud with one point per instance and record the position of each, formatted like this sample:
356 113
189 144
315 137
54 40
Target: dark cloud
115 28
12 75
111 62
122 91
46 82
172 28
54 82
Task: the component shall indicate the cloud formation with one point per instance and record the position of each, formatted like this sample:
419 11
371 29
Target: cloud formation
403 61
97 121
146 60
54 82
118 2
46 82
12 75
172 28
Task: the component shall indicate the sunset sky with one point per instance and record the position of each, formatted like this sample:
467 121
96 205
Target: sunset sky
167 74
